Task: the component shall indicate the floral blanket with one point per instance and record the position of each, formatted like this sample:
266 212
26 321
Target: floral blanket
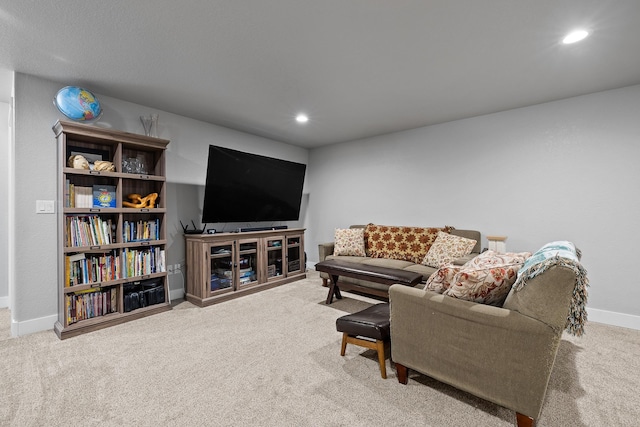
564 254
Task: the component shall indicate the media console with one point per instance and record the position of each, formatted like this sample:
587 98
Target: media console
224 266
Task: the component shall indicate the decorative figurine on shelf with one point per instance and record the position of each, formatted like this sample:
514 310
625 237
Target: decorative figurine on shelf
103 165
78 161
137 201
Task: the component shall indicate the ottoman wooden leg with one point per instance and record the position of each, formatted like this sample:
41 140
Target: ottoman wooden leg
381 358
344 343
378 346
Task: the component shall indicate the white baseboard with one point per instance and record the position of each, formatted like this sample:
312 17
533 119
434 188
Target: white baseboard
4 302
595 315
613 318
34 325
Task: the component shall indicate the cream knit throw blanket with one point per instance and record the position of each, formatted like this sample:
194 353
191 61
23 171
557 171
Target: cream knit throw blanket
547 257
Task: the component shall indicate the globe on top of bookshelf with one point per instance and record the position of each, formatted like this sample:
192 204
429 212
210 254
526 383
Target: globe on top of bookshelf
78 104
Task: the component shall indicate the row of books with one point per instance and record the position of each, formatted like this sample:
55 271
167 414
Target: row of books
90 303
88 231
135 231
96 196
140 262
84 268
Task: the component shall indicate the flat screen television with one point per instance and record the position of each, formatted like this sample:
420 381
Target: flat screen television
245 187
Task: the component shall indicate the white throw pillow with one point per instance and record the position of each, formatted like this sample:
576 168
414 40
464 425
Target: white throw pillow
349 241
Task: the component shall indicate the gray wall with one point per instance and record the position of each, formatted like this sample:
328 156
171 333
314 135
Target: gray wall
35 296
562 170
555 171
4 203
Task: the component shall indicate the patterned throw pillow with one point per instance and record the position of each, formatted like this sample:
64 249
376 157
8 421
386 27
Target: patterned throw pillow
446 249
349 241
441 279
487 278
403 243
493 258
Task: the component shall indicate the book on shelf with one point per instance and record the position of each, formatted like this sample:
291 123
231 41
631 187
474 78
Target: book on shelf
104 196
135 231
140 262
88 231
77 196
66 197
90 303
84 268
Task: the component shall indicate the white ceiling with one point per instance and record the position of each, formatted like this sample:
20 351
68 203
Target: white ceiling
358 67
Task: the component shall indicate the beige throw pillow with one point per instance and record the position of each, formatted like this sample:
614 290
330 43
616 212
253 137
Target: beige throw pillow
349 242
446 249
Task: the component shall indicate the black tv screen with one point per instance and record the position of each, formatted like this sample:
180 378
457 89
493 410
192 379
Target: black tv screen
245 187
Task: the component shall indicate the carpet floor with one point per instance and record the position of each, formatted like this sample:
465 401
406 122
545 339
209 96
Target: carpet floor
273 359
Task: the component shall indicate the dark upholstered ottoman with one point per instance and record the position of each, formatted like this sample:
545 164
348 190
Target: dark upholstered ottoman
367 328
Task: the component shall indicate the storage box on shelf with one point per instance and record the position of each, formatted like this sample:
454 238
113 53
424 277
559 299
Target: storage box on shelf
228 265
111 243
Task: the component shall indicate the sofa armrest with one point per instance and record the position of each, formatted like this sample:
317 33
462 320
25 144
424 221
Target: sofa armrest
546 297
324 250
497 354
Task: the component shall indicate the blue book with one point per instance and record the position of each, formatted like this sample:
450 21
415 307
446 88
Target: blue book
104 196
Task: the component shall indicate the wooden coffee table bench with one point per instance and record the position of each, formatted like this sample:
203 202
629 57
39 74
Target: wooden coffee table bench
386 276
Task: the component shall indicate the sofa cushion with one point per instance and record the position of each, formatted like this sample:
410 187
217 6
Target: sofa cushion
487 278
402 243
425 270
358 259
446 248
387 263
349 241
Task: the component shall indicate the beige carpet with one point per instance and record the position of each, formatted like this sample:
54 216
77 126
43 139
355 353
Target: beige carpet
272 359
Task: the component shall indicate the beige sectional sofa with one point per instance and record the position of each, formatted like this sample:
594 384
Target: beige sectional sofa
326 252
502 354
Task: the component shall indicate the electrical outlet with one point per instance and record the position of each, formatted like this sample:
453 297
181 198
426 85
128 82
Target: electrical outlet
178 267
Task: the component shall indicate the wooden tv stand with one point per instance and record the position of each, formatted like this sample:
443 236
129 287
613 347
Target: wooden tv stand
225 266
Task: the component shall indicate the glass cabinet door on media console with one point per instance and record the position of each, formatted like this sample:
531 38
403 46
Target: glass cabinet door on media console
295 259
247 263
275 255
222 271
111 255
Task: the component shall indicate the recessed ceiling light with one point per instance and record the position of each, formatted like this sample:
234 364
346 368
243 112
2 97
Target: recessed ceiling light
302 118
575 36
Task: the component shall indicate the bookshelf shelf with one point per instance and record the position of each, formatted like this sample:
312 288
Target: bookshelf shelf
99 238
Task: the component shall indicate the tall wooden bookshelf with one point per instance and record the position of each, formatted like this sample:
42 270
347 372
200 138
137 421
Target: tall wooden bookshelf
111 257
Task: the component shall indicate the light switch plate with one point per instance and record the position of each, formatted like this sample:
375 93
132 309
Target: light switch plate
45 207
